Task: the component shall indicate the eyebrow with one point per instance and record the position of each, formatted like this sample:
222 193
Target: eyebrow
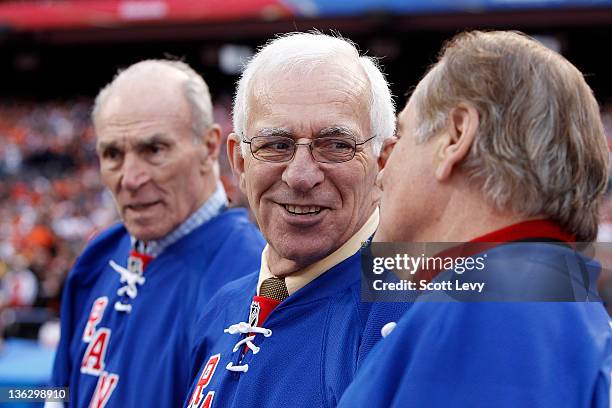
140 144
325 132
270 132
337 131
102 146
153 139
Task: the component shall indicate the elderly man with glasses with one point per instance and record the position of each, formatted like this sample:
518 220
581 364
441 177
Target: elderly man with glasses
312 120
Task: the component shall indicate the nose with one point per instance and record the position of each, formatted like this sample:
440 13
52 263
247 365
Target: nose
303 173
135 173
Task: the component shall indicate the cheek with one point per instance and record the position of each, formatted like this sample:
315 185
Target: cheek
176 173
258 180
108 178
393 168
386 177
252 189
356 187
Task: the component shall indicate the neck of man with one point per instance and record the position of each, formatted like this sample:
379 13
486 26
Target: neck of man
281 267
208 187
210 182
465 216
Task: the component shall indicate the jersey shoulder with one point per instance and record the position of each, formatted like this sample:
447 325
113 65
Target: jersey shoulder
96 254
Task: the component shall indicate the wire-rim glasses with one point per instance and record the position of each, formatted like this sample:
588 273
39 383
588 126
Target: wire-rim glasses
327 149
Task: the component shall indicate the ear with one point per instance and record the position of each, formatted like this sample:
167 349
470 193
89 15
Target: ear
385 151
211 141
455 143
236 159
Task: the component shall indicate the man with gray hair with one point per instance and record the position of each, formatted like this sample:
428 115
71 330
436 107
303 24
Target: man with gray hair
311 118
131 301
500 145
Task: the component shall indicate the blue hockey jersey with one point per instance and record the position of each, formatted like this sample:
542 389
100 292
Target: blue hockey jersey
317 338
497 354
141 358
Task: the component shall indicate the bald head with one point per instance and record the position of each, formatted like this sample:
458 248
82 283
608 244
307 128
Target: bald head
157 145
152 85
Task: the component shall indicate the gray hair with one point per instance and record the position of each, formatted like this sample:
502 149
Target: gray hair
195 90
304 51
540 149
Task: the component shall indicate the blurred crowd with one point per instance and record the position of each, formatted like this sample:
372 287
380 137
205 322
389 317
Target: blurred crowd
52 203
51 199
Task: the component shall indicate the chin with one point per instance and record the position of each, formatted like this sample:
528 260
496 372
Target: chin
307 256
146 234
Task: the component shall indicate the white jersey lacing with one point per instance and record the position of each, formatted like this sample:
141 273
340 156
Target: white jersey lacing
245 328
131 279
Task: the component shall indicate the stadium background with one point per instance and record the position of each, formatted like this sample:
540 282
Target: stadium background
56 55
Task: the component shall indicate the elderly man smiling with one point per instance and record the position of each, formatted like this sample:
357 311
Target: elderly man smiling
311 117
130 302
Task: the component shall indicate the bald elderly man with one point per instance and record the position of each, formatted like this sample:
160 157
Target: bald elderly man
132 297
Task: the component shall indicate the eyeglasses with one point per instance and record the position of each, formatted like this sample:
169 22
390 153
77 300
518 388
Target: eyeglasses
280 149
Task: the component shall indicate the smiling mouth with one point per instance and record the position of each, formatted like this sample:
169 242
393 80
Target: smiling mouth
140 207
302 209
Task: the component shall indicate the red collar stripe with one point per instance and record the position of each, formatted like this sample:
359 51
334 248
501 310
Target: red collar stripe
535 229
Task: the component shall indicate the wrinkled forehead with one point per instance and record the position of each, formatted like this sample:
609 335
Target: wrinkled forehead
326 94
135 116
145 94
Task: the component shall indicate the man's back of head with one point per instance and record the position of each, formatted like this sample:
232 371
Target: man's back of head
517 128
501 144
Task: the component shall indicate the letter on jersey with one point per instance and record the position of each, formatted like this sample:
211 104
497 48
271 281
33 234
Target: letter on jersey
198 393
93 360
97 311
206 403
105 387
208 400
